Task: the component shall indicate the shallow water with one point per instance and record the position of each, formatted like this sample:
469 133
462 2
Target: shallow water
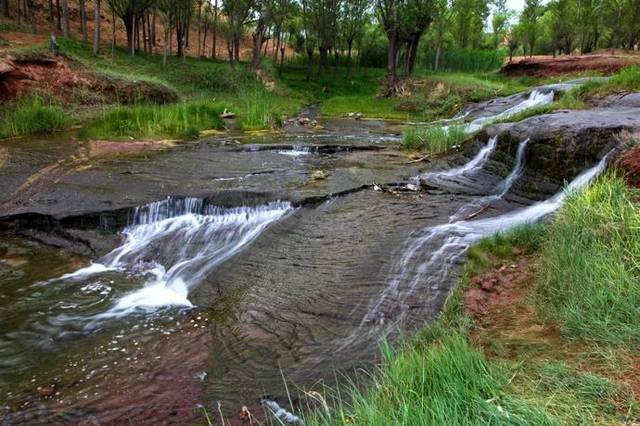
226 266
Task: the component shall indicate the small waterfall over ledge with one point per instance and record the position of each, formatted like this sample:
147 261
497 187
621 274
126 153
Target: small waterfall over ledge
173 244
428 258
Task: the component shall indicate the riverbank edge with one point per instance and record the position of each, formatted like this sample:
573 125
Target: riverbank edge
497 354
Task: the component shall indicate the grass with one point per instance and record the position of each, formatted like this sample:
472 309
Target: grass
432 95
590 265
31 115
467 60
183 120
433 140
508 371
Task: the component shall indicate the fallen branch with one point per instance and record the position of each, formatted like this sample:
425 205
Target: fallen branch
478 213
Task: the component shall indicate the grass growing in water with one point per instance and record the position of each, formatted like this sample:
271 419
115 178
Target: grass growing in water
184 121
590 270
433 140
31 115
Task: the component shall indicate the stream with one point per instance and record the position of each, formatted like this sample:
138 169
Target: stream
144 286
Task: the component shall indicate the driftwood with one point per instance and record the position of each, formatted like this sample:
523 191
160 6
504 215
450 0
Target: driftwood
418 160
479 212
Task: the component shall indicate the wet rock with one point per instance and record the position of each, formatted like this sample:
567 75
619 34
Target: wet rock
564 143
319 175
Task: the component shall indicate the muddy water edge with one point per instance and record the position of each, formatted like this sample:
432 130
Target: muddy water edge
301 264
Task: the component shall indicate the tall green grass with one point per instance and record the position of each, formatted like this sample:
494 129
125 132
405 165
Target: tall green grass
183 121
590 265
468 60
31 115
448 382
433 140
258 113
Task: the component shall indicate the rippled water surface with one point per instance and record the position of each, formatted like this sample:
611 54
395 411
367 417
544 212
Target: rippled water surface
169 280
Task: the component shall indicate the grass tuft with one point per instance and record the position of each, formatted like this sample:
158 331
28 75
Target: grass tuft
183 121
433 140
31 115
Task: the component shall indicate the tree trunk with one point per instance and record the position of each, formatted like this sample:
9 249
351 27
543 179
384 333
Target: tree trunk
113 35
391 81
166 48
5 8
65 17
199 26
236 49
413 53
215 31
58 15
230 51
32 17
153 30
324 57
436 62
83 20
309 63
203 49
349 48
50 18
96 30
258 38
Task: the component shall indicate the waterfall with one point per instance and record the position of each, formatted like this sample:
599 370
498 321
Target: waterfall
474 165
451 241
536 98
173 244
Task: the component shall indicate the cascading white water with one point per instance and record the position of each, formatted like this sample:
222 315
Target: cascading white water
451 241
536 98
472 166
174 244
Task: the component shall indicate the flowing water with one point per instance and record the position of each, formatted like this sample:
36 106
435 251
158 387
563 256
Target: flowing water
249 269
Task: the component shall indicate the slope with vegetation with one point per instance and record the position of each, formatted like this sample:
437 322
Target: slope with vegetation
542 329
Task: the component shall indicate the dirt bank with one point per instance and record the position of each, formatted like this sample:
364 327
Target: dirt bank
548 66
68 81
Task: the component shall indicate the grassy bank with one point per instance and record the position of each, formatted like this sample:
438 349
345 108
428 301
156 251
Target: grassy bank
546 349
431 95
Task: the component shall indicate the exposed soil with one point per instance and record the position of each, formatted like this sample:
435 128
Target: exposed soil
629 163
69 81
501 303
43 25
548 66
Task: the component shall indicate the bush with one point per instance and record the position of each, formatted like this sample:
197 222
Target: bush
589 266
31 115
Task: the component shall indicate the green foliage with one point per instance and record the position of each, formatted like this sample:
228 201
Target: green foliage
467 60
31 115
447 382
590 270
257 114
433 140
184 121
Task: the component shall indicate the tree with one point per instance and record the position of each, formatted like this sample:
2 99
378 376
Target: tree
96 29
469 17
562 25
441 15
237 13
390 17
352 24
130 12
263 9
416 21
529 23
500 22
324 16
5 8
